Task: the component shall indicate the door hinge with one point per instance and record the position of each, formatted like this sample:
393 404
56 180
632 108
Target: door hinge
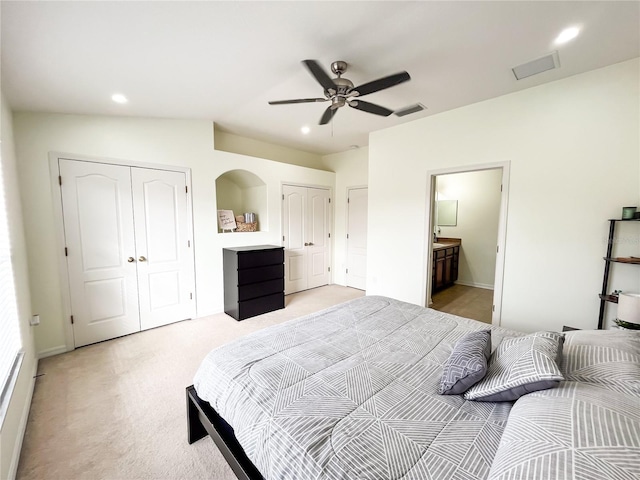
283 196
347 235
66 252
493 308
186 189
191 296
348 200
59 179
328 269
500 187
188 243
498 249
283 238
71 319
347 270
329 200
329 235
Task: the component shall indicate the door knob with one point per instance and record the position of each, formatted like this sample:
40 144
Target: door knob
310 244
306 244
131 259
141 258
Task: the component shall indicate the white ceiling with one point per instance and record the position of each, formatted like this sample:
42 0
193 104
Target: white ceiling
223 61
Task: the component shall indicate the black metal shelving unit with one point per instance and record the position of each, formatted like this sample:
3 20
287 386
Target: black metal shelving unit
609 259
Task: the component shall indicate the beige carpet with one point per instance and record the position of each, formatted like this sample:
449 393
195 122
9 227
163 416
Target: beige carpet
117 410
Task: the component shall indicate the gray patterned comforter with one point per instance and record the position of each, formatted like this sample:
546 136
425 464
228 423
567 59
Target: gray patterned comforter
350 393
586 429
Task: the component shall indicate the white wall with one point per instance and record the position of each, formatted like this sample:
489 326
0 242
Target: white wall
352 169
12 429
478 195
574 150
183 143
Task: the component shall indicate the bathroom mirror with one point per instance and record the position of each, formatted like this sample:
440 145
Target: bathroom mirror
447 213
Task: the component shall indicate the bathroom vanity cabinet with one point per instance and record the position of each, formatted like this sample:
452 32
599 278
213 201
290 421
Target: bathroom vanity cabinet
446 257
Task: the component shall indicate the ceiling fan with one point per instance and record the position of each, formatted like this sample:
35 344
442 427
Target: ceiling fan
340 91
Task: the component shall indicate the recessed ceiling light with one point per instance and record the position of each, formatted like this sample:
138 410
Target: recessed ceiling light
305 130
119 98
567 34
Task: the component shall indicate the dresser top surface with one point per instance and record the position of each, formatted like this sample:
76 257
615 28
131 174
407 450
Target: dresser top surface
252 248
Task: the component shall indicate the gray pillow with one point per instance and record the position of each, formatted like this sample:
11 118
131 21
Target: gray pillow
519 366
467 363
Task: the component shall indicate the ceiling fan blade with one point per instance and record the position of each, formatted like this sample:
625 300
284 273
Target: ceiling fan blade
299 100
370 108
381 83
319 74
327 115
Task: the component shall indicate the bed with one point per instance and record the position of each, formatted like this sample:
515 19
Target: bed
352 393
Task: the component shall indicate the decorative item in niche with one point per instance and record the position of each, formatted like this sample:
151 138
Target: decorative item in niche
226 220
447 213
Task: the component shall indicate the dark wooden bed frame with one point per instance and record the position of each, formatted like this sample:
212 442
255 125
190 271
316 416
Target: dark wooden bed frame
202 419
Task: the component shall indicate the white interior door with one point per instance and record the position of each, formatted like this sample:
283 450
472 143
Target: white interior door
357 208
306 226
99 234
163 247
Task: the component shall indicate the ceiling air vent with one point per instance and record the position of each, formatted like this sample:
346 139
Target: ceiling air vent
410 109
548 62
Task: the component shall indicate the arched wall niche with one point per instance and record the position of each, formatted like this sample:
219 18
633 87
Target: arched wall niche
243 191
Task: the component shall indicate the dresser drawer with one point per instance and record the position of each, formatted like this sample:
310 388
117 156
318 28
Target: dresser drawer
260 274
251 308
253 290
259 258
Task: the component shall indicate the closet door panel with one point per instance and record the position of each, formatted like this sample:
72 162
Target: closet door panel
99 236
165 260
294 232
319 248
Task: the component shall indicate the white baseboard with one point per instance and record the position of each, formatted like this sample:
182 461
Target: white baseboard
476 285
22 428
50 352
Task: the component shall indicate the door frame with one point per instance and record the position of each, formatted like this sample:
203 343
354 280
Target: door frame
505 166
58 221
331 220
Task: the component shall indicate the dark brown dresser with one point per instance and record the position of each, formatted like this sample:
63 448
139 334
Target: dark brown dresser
253 280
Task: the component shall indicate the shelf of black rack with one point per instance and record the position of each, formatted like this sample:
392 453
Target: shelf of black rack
609 298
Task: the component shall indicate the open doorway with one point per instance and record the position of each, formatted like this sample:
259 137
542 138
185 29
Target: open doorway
465 256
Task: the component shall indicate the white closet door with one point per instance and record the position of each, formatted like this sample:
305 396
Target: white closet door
317 237
357 207
307 246
98 224
294 226
164 253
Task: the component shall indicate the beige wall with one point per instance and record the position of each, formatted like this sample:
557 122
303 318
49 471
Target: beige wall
574 153
12 429
231 143
170 142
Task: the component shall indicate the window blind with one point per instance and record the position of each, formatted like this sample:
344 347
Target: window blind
9 332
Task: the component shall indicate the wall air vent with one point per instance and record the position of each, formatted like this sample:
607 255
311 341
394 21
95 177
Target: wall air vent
410 109
548 62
